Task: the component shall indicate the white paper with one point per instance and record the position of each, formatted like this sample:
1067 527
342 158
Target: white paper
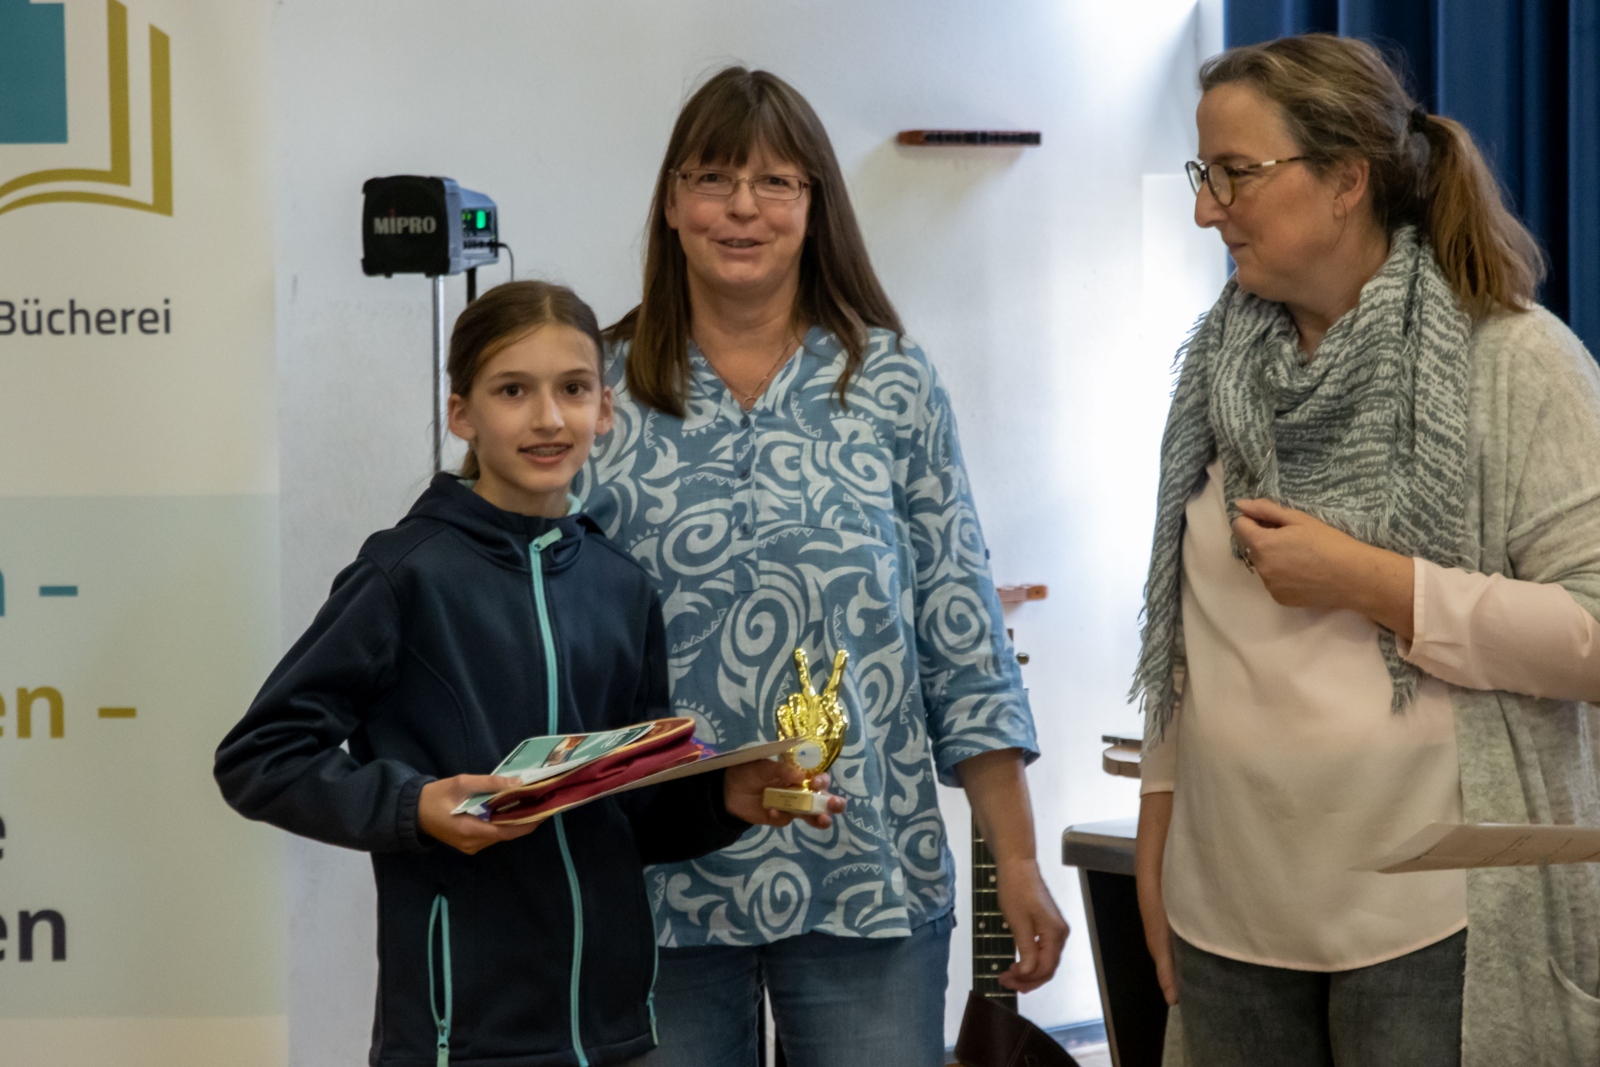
1444 846
759 750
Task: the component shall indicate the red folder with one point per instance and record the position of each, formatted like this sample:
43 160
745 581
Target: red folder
670 743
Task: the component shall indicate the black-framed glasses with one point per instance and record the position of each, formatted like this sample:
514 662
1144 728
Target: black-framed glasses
721 184
1221 179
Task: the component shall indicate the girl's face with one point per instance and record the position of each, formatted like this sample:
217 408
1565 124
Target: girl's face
1284 221
741 247
531 417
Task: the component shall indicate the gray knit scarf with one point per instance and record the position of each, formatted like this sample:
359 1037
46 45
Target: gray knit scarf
1369 436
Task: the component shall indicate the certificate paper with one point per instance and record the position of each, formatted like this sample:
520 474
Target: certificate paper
539 758
1444 846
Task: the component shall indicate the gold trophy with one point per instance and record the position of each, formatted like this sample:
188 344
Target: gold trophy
821 721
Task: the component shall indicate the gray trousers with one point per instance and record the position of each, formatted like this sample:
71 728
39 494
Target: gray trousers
1404 1012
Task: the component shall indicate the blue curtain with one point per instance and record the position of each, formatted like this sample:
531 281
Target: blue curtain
1523 76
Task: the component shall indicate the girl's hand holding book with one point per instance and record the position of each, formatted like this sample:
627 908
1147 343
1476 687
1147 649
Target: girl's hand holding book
744 783
468 833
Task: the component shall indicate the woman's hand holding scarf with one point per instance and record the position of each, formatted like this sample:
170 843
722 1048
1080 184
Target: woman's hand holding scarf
1305 563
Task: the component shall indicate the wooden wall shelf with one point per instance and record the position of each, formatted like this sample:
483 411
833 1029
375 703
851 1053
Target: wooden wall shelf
979 138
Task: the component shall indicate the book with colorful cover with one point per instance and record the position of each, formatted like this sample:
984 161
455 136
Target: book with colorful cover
561 771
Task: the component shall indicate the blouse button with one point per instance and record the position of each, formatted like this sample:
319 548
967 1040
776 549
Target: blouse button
744 422
745 474
744 530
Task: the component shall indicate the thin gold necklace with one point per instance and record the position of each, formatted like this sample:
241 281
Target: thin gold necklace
749 401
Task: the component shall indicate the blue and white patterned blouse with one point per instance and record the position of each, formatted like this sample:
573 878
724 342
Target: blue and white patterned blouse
799 523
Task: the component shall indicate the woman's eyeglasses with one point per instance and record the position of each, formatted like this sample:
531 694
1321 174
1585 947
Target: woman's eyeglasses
1220 178
721 184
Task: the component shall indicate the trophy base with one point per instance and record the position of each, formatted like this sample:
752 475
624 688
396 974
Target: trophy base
796 801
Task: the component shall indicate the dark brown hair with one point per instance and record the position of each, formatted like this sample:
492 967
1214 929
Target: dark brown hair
1343 102
731 116
502 316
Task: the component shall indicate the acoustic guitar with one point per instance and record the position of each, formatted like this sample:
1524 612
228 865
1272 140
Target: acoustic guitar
992 1033
993 950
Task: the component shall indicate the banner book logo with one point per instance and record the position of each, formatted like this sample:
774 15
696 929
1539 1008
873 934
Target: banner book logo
33 111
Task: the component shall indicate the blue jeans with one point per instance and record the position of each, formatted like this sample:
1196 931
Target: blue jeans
1404 1012
836 1001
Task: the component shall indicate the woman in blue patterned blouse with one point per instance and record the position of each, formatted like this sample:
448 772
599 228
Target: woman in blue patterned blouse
785 464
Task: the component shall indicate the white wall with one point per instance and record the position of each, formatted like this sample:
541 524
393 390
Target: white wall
1050 284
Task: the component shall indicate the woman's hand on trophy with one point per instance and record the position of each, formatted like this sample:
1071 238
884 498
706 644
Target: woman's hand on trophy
1305 563
744 784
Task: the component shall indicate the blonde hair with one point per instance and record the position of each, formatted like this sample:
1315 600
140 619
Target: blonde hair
1343 102
498 318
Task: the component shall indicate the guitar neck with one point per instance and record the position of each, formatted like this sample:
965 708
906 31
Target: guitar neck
993 949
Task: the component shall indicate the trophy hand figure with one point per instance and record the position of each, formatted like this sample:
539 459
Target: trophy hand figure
839 660
820 719
831 721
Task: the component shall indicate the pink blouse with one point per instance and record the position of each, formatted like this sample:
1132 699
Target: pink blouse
1292 769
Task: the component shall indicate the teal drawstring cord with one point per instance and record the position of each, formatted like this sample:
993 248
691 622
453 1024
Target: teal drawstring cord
440 919
552 698
552 692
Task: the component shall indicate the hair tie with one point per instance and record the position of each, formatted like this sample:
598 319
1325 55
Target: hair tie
1419 119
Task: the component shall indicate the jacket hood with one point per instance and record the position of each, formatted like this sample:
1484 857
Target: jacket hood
503 536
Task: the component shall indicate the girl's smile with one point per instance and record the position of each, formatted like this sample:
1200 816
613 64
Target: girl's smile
546 455
531 416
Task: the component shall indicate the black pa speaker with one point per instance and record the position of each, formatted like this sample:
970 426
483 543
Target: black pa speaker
416 225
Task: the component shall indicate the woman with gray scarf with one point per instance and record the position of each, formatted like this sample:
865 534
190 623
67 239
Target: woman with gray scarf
1372 598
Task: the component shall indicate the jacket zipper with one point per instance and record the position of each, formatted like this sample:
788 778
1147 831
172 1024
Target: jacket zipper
650 1001
439 928
552 695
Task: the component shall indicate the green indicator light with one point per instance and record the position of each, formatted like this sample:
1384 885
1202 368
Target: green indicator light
483 219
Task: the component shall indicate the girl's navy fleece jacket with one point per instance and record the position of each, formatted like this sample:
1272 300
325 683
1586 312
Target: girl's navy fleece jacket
431 659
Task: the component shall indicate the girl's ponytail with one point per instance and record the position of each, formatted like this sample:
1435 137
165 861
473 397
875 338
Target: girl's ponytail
1488 256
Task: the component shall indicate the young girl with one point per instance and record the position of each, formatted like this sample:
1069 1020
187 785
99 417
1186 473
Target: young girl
493 612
